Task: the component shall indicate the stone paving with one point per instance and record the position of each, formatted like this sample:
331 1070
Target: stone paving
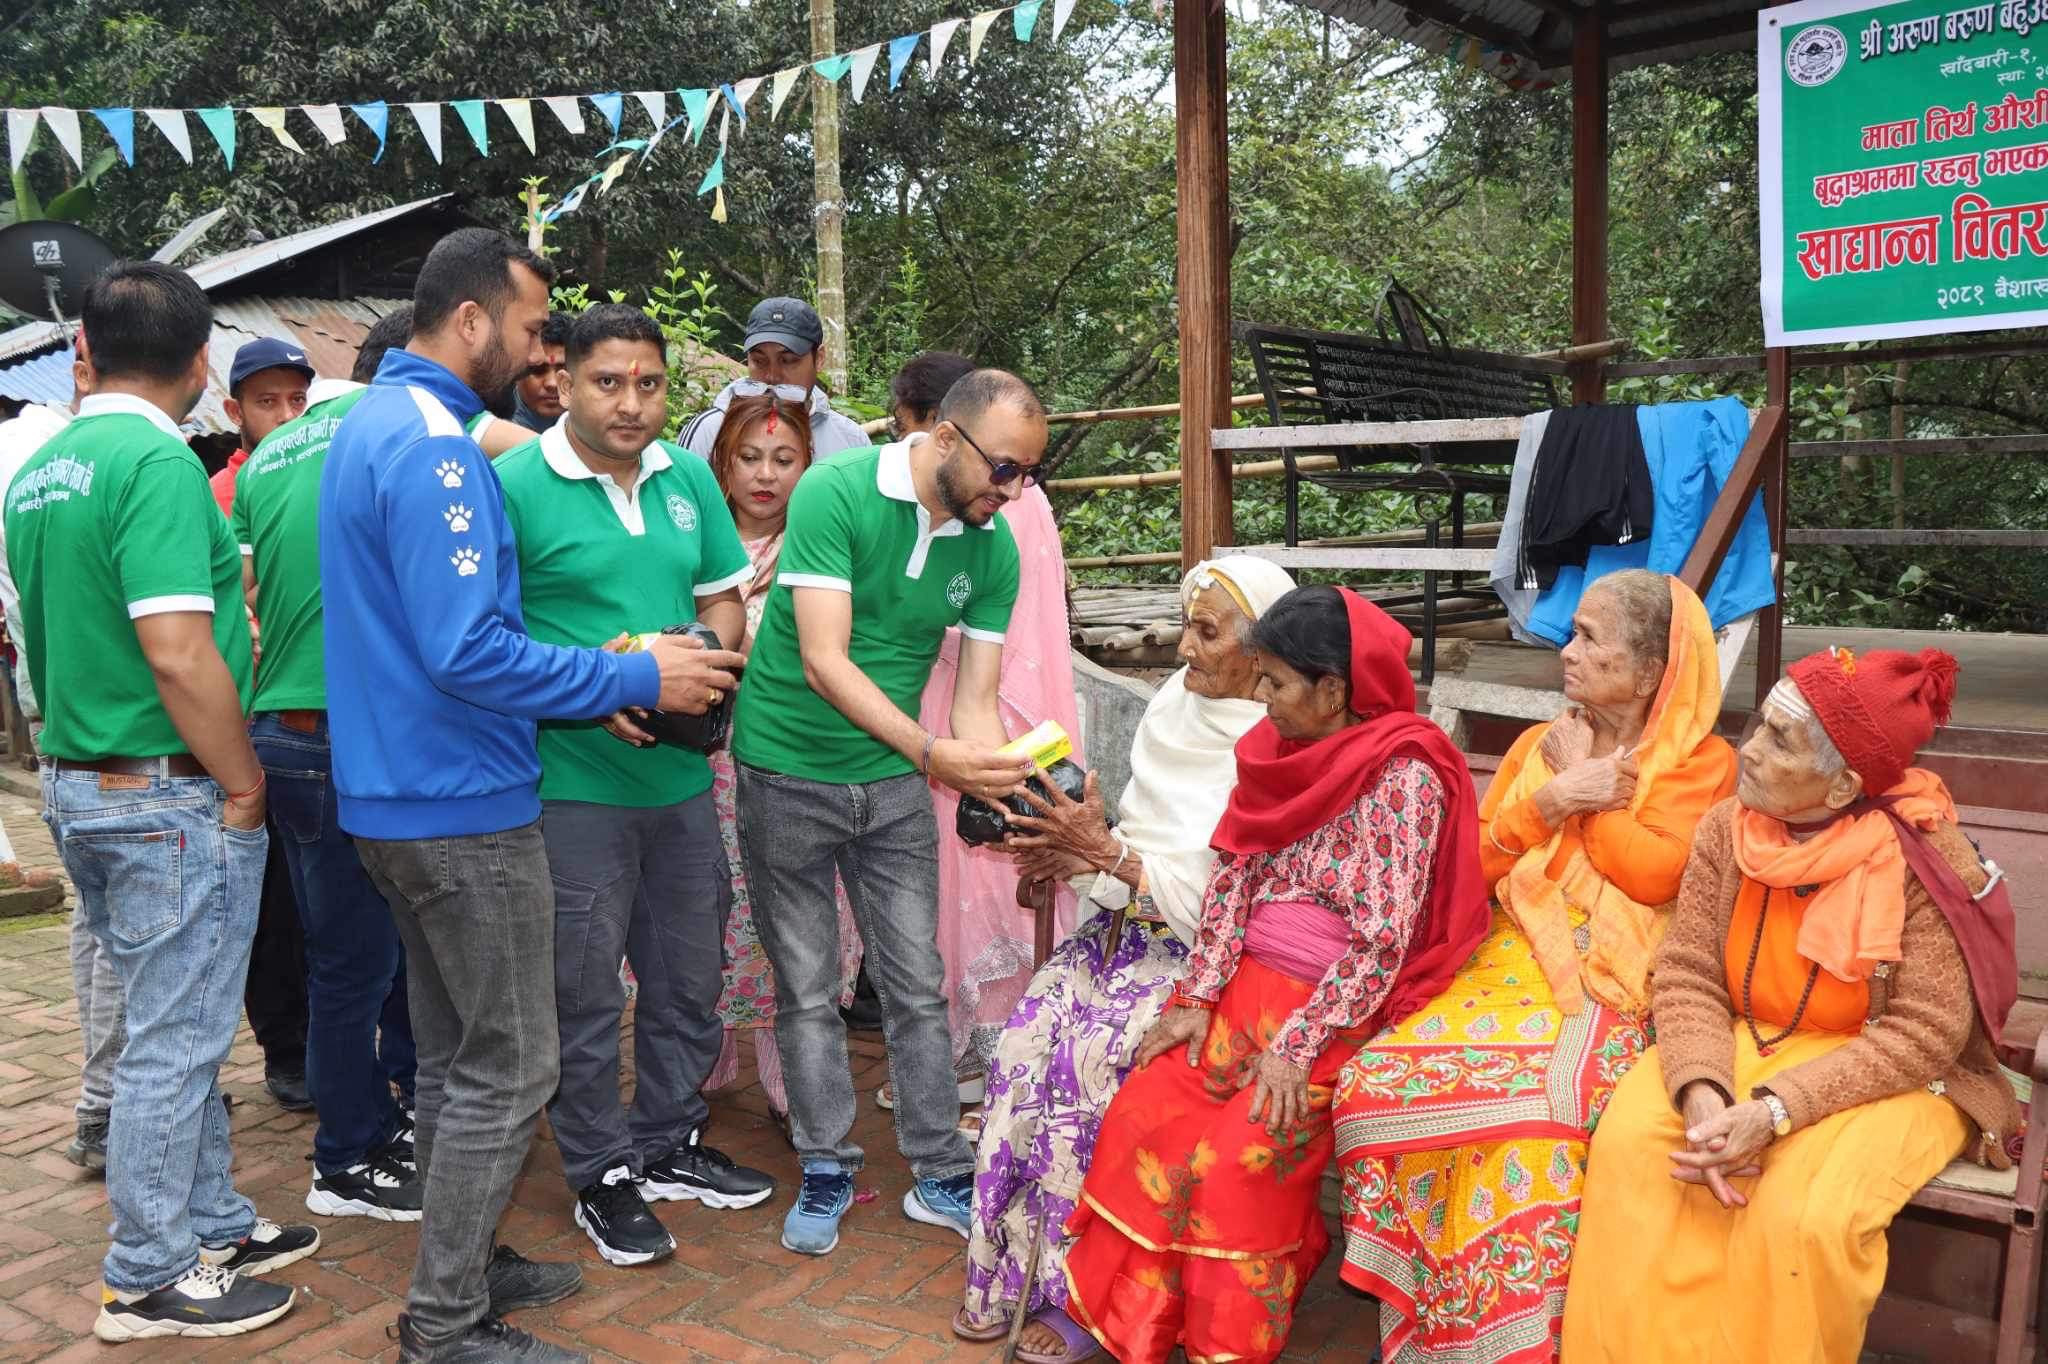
730 1293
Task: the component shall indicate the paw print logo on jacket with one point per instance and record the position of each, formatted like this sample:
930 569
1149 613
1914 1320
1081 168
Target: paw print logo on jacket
450 473
457 516
466 561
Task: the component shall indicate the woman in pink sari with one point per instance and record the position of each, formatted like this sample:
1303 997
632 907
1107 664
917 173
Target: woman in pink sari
984 935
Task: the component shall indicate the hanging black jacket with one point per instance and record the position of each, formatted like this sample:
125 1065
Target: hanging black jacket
1591 486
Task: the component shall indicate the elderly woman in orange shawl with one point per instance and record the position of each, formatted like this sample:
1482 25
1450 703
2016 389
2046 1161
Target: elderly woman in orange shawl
1462 1132
1346 893
1837 968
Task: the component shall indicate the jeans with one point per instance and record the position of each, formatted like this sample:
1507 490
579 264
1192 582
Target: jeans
881 838
355 969
477 917
651 885
100 1027
275 995
171 893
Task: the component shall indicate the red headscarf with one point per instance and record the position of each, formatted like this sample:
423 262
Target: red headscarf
1287 790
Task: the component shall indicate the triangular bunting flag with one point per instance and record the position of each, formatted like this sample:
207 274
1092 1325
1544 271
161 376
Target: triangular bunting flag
171 123
784 80
832 68
718 205
568 112
1024 18
1062 10
901 50
427 114
376 116
696 105
272 117
659 134
575 199
655 102
613 172
611 106
327 118
977 29
64 123
724 126
742 92
863 67
120 125
520 111
942 33
21 130
471 112
714 177
221 123
735 103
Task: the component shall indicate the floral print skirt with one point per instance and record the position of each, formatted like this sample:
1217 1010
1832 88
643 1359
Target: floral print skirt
1461 1137
1197 1227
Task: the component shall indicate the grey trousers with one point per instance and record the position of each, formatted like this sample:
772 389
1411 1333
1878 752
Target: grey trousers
102 1024
477 916
651 884
881 839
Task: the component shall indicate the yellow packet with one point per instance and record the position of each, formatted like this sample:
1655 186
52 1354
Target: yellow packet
1044 745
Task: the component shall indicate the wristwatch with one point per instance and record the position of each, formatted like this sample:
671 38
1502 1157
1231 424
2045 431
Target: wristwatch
1781 1120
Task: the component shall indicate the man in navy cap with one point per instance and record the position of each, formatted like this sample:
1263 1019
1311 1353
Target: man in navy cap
782 340
266 388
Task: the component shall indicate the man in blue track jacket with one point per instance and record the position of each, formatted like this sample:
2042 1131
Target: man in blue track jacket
433 691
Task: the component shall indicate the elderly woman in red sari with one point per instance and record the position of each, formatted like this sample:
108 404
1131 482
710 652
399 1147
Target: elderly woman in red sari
1346 893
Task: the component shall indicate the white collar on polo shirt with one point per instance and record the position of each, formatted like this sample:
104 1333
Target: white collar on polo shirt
563 459
107 404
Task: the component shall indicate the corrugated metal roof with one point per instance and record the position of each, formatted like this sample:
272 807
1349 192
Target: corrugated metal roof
45 379
1528 42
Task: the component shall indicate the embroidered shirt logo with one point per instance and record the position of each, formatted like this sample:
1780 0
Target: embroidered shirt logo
681 512
958 590
450 473
1816 56
465 561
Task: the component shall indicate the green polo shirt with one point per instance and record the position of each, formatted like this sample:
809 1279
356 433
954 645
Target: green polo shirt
856 526
110 522
593 563
276 521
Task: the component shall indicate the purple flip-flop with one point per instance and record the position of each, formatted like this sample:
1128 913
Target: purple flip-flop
1080 1344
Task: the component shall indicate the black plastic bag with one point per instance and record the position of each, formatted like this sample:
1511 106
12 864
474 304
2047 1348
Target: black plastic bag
979 823
704 733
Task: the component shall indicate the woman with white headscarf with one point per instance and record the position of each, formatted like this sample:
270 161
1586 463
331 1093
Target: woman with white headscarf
1073 1035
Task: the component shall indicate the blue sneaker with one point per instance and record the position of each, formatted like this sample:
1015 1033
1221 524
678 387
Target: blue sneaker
812 1227
942 1202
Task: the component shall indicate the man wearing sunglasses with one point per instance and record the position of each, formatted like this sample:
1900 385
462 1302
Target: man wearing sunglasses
783 336
885 548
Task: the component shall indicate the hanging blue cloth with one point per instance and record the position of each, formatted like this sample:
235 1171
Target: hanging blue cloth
1691 449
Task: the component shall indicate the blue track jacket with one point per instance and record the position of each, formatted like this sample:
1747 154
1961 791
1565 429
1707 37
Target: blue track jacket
433 687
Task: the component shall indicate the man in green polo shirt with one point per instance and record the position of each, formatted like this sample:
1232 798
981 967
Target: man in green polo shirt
885 549
355 972
621 532
139 650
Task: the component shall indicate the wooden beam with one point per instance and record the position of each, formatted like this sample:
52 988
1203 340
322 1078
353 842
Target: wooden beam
1945 445
1589 200
1724 518
1365 557
1203 149
1458 19
1828 359
1450 432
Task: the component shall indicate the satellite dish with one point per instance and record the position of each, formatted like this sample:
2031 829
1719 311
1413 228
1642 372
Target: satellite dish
45 266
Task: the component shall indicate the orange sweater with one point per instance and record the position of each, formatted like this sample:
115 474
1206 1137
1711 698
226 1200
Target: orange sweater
1641 851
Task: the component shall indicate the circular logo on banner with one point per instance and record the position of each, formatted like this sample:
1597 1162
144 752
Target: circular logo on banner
958 590
681 512
1816 56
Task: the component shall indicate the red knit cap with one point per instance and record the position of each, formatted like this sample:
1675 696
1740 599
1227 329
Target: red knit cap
1879 707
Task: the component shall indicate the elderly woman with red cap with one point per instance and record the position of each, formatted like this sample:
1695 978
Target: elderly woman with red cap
1838 966
1346 893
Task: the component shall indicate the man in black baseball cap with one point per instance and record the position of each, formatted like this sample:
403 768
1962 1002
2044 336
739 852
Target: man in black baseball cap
782 340
266 388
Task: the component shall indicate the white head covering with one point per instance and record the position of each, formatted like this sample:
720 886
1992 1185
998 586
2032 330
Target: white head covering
1183 760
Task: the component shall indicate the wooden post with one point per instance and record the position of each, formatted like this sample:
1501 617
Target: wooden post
1589 199
831 201
1770 635
1203 148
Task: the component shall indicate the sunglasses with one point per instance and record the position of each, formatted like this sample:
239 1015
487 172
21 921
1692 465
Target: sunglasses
1001 472
753 388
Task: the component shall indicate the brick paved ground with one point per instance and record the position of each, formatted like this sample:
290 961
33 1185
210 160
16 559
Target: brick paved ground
730 1293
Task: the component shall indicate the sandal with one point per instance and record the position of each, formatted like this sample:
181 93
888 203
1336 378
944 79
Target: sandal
970 1126
1079 1343
965 1327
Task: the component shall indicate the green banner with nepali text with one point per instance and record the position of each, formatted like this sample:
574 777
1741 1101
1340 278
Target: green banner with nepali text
1903 164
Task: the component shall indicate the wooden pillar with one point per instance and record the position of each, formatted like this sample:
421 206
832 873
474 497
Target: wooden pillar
1589 199
1770 635
1204 186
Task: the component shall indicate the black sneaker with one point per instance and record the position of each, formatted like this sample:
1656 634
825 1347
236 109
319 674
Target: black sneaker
89 1148
208 1301
288 1087
385 1187
268 1247
694 1170
516 1282
489 1341
616 1218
